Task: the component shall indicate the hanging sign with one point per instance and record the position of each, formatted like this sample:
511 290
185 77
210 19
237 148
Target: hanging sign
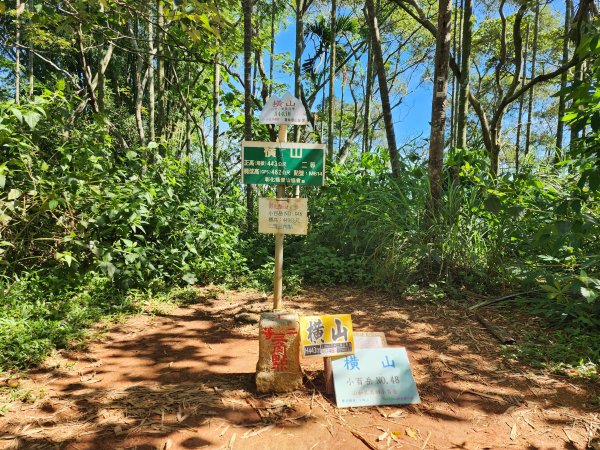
326 335
287 163
373 377
287 110
283 216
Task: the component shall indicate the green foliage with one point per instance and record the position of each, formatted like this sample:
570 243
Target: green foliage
44 310
76 201
571 350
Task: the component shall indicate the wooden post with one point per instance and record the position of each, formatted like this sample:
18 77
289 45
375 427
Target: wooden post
278 278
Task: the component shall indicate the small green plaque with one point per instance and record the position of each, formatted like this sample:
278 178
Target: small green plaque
286 163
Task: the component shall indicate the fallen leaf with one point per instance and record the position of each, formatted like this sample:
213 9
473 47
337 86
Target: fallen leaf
224 430
257 431
382 436
118 430
13 383
231 441
395 435
398 413
514 432
411 432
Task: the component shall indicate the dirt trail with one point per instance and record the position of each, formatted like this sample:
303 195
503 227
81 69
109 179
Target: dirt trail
185 381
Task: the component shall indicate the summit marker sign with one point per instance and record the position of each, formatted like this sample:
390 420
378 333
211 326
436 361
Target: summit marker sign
287 110
283 163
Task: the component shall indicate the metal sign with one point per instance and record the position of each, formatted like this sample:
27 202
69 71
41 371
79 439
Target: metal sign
326 335
285 163
283 216
287 110
374 376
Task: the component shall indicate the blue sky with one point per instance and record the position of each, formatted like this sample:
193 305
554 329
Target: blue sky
411 117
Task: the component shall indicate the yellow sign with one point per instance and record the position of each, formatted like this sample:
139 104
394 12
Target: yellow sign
282 215
326 335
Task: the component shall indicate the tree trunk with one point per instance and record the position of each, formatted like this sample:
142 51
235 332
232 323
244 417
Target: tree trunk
438 104
18 53
532 91
331 82
139 91
368 95
342 110
160 66
521 100
30 56
465 68
151 102
271 63
455 80
247 6
300 4
188 112
560 126
216 101
383 88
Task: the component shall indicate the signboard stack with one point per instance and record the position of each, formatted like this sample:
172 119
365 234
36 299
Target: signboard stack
281 164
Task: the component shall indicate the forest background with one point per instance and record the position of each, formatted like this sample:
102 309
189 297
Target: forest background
120 131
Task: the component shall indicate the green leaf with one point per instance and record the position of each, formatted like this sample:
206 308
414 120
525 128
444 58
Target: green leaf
17 113
594 180
52 204
493 204
32 118
14 194
595 121
189 278
131 155
2 180
589 294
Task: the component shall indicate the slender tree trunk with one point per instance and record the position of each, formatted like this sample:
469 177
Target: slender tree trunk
160 66
323 105
560 126
139 91
18 53
271 62
532 91
438 104
465 68
331 81
341 111
368 95
247 7
216 101
455 81
151 101
300 4
188 112
383 88
30 57
521 100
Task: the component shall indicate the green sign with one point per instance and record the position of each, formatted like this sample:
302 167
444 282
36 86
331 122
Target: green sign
287 163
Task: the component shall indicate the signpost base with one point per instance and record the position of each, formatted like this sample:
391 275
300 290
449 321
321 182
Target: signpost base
278 367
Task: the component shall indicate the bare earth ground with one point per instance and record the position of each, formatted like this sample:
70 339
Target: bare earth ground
185 381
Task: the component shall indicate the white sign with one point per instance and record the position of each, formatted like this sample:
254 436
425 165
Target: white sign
287 110
375 376
283 216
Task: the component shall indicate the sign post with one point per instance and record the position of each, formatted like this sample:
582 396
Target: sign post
278 277
281 164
